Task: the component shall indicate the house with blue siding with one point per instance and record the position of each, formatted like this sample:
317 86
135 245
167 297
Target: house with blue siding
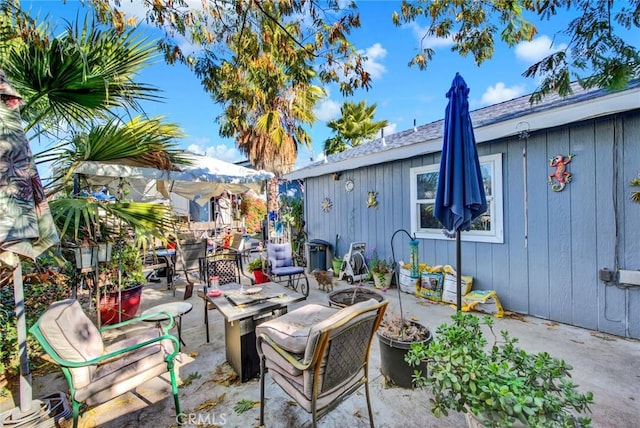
567 253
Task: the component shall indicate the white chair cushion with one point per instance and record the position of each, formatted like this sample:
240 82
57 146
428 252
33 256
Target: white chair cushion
291 331
122 374
73 336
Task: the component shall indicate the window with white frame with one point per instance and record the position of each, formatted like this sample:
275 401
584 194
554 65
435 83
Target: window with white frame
487 227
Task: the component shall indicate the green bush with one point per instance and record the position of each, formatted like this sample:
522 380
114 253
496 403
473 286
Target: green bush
500 384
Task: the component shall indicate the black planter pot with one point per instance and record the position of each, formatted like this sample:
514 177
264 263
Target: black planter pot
392 364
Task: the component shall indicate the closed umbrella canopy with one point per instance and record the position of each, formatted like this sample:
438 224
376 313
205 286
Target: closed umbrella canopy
205 178
460 197
26 224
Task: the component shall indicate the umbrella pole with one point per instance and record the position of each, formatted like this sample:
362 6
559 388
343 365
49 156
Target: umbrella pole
30 412
458 274
28 409
21 327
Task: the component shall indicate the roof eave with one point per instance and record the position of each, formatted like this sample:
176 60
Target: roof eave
605 105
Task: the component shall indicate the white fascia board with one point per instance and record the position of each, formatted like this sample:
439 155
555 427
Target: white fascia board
575 112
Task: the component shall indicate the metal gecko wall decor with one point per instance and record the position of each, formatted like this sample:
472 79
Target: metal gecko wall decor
560 175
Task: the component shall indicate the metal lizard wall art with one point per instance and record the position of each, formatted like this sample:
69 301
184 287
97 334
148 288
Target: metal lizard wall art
561 175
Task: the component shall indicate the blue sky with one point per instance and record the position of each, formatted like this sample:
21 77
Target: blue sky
401 93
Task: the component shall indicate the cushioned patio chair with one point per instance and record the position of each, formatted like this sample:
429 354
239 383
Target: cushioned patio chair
281 268
228 269
319 355
96 371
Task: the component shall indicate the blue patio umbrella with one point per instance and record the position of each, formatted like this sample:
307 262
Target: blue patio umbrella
460 197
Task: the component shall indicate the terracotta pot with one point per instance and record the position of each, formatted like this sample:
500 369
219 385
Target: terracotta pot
111 307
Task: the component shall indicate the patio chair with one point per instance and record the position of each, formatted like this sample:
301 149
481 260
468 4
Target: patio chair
319 355
281 268
97 371
227 268
189 255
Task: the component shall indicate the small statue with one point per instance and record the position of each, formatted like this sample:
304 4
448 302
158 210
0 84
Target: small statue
561 174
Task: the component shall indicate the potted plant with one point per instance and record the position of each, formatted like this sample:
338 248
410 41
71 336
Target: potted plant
397 335
381 270
257 267
497 385
120 283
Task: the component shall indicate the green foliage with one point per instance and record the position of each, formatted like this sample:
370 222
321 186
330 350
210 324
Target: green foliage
253 209
319 30
596 53
189 379
378 265
501 384
244 405
127 261
292 211
255 264
44 282
635 195
355 125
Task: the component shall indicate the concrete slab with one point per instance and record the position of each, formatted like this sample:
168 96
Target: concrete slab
607 365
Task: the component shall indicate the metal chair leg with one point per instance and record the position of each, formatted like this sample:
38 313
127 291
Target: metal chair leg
262 373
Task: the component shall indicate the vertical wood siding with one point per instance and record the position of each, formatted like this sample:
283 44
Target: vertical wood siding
553 274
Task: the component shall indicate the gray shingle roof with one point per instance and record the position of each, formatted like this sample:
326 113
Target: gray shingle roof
517 107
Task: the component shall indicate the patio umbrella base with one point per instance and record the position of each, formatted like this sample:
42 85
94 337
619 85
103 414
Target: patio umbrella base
43 413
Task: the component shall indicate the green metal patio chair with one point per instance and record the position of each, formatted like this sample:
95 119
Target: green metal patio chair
96 371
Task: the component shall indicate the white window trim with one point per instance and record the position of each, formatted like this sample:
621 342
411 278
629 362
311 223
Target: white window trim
496 235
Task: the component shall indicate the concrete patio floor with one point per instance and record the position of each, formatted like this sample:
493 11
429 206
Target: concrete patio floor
609 366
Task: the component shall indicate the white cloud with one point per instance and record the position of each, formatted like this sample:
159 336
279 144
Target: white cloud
500 92
219 151
327 110
372 64
537 49
428 41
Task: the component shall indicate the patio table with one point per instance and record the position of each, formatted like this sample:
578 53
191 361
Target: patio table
176 310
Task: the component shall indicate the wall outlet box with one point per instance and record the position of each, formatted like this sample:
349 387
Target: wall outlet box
631 277
605 275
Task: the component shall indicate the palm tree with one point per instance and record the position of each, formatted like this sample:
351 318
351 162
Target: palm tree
75 86
355 125
265 102
267 93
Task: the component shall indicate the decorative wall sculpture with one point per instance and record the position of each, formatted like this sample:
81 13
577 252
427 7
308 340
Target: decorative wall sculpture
372 201
561 175
327 205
